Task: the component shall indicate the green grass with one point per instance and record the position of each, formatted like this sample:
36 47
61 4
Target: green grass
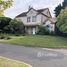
4 62
38 41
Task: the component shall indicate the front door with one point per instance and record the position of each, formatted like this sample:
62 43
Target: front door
34 30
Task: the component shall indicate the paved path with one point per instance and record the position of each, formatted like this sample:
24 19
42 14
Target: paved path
37 57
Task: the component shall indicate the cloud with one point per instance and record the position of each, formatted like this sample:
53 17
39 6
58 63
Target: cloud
20 6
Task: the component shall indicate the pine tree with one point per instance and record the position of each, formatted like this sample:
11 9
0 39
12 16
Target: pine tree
60 7
64 4
57 10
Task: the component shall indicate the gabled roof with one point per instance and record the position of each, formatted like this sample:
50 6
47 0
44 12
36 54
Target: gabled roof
39 12
22 14
53 20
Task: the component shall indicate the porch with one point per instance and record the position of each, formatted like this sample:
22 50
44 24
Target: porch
31 29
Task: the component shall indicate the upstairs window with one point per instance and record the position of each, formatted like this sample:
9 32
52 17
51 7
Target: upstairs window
28 19
33 18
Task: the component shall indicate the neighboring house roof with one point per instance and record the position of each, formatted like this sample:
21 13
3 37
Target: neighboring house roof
39 12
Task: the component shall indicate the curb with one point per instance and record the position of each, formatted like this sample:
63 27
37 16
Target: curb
17 61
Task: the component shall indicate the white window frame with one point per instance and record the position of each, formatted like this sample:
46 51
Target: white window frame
28 19
34 18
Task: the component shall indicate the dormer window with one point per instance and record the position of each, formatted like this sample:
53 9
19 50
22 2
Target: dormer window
28 19
33 18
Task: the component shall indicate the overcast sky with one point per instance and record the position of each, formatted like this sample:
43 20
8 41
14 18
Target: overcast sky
20 6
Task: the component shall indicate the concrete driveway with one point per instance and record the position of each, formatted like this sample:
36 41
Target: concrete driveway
37 57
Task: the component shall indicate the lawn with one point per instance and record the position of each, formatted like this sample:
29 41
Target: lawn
38 41
4 62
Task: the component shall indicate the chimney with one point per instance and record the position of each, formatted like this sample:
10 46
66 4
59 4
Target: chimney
29 7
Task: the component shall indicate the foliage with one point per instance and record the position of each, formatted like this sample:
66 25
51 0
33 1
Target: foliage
57 10
4 21
60 7
64 4
8 25
3 36
43 30
4 4
62 21
16 27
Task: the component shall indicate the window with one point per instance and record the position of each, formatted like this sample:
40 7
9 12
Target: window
28 19
34 19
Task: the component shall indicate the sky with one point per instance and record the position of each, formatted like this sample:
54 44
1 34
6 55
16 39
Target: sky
20 6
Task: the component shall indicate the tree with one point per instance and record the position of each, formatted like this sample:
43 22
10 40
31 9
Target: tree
57 10
4 22
60 7
16 27
4 4
64 4
8 25
62 21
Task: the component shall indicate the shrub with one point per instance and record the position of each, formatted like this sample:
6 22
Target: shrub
7 38
4 22
42 31
3 36
16 27
8 25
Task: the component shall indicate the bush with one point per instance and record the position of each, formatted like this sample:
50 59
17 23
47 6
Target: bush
7 38
42 31
16 27
3 36
4 22
8 25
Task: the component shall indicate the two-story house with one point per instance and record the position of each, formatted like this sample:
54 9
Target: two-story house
33 18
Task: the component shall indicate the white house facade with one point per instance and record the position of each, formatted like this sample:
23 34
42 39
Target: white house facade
32 19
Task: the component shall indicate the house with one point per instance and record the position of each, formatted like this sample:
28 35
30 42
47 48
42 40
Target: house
33 18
